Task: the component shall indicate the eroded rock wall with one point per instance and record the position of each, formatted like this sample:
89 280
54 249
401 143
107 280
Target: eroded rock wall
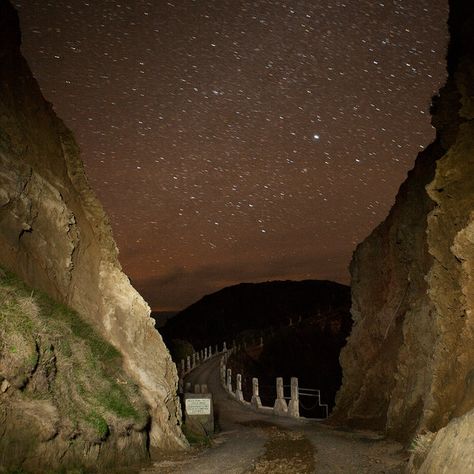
409 362
54 234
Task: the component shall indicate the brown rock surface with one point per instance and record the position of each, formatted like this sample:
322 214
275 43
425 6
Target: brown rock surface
55 236
409 363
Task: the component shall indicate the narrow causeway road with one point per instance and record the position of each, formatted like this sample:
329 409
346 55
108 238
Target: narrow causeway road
251 442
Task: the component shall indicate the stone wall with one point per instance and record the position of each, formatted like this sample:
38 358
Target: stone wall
54 234
409 363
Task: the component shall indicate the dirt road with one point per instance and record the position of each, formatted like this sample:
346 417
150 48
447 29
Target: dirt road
250 442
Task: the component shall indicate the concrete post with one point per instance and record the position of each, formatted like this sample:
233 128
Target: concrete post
294 405
188 364
204 388
217 349
223 373
261 342
291 322
187 387
224 348
194 360
197 357
209 351
280 407
182 366
205 353
238 390
229 380
256 402
197 388
180 385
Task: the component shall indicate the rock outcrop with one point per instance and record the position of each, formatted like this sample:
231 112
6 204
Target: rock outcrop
55 236
408 367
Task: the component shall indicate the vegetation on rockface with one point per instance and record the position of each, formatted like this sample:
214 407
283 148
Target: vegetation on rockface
49 354
180 349
198 440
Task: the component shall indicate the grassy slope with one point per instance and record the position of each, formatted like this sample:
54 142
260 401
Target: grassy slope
47 352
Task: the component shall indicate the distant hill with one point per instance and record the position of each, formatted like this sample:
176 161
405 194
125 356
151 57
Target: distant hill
304 325
255 308
161 317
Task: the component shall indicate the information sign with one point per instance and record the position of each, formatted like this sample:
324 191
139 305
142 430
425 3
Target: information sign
198 406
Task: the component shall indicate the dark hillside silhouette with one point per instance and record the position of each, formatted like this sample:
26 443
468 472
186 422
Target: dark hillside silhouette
255 309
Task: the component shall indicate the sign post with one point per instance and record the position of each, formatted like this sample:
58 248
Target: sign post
199 413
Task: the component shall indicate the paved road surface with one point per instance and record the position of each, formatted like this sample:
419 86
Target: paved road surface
251 442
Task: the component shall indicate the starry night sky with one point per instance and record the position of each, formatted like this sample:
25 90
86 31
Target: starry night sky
236 140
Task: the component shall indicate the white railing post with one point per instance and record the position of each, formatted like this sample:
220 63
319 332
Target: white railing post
188 363
280 407
223 371
294 405
238 390
194 360
182 366
224 348
229 380
209 352
255 401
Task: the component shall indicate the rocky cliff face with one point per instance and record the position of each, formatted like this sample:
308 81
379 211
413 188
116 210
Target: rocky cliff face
409 364
55 236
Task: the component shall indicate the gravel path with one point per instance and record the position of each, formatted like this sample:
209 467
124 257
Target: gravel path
251 442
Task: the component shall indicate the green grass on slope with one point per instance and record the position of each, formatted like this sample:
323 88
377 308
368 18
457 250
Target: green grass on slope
48 352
